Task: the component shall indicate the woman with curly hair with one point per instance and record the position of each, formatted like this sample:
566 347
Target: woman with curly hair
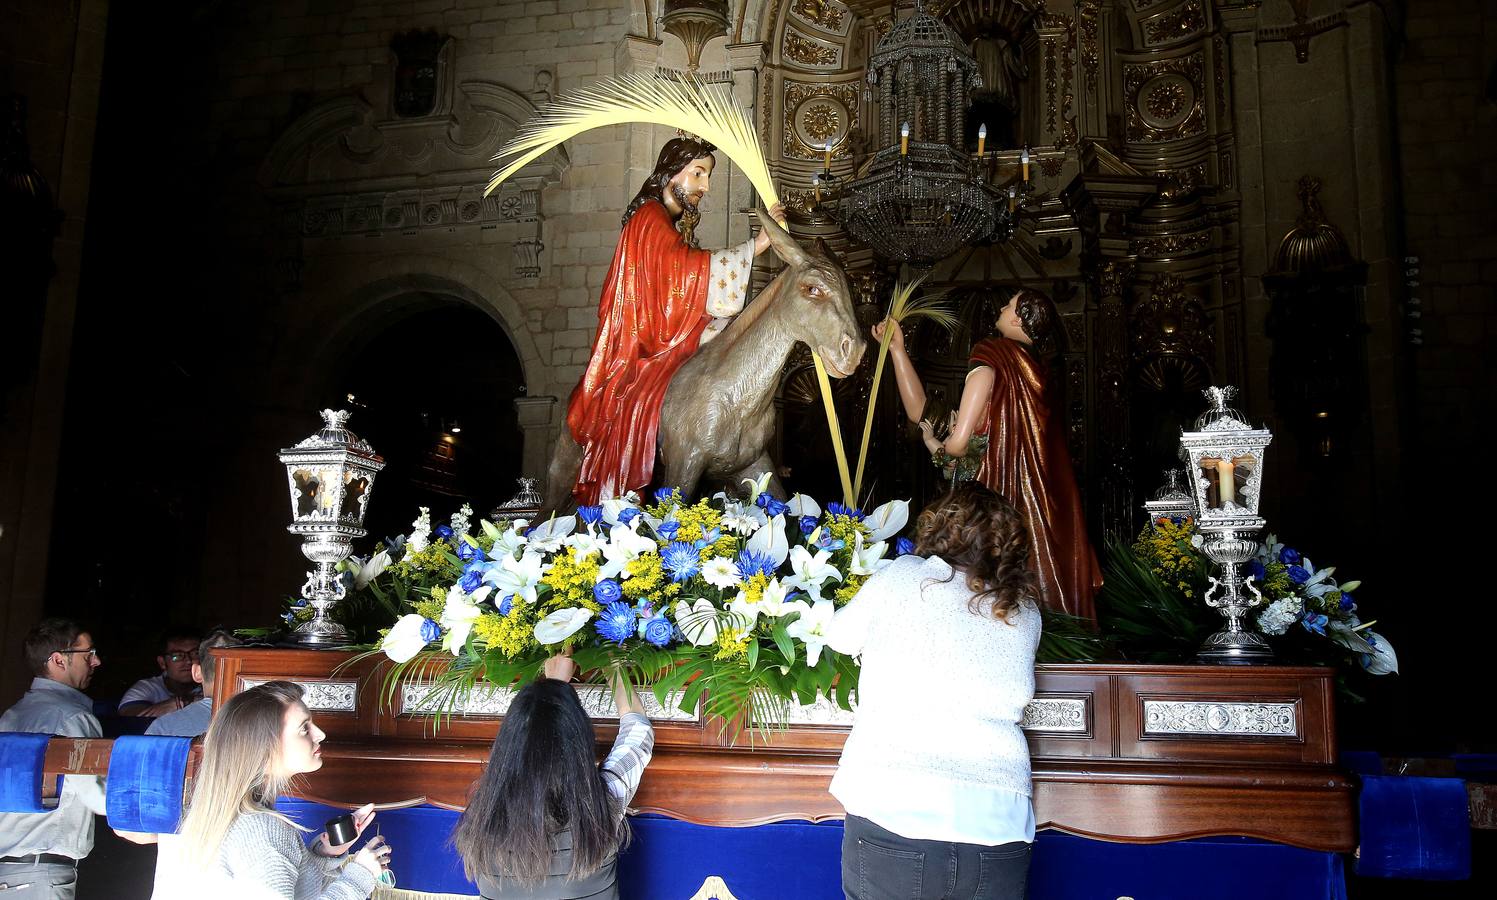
936 782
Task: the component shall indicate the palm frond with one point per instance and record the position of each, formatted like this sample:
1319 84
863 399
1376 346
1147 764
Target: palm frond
902 307
682 102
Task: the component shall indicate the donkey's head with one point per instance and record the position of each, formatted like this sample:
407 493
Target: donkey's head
816 302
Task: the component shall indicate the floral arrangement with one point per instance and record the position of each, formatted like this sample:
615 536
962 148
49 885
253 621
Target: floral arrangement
723 600
1300 600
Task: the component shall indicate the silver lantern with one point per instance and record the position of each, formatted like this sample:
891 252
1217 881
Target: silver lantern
1172 501
331 477
1224 457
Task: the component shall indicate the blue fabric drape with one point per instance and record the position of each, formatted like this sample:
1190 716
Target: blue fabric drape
24 754
1414 828
144 789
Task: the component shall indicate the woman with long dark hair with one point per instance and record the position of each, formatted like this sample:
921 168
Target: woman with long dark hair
936 782
1008 431
545 821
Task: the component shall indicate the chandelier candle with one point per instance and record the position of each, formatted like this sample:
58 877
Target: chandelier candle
904 139
982 139
826 165
1024 166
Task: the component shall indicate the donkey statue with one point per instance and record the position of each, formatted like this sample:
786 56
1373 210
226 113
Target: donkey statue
718 414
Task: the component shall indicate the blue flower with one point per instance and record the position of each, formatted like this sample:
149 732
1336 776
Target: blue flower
1314 622
430 631
467 550
506 604
827 542
1177 521
628 514
1256 570
668 529
808 524
288 617
771 506
1298 575
607 591
1289 556
472 578
904 547
1347 602
590 515
681 559
616 622
444 532
663 494
659 631
838 509
708 539
750 563
300 604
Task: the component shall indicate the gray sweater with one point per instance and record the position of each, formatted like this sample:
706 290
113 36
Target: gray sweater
262 857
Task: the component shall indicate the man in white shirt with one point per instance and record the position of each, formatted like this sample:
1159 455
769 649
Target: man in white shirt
192 720
173 688
40 851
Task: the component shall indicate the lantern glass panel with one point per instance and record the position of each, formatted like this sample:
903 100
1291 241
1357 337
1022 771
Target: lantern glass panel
1228 480
355 494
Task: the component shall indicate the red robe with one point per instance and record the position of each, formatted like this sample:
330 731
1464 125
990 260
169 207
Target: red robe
650 320
1028 462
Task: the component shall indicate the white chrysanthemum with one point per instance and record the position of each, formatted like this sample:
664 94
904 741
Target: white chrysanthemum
1279 615
720 572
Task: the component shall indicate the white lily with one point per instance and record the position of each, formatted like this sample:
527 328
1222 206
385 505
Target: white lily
1382 660
548 536
721 572
584 544
885 521
771 541
1319 581
811 627
801 505
624 546
698 622
404 639
511 542
744 612
772 601
870 559
371 569
809 572
519 577
741 518
756 486
562 624
458 616
615 505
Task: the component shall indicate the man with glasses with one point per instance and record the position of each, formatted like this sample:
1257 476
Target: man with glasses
39 852
174 688
192 720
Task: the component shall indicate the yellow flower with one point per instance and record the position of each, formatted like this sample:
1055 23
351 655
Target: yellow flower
511 635
731 644
571 581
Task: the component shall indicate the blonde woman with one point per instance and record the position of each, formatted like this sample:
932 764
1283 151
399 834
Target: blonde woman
231 836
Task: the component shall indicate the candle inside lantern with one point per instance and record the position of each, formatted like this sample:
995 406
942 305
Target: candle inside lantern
1226 481
982 138
1024 164
904 139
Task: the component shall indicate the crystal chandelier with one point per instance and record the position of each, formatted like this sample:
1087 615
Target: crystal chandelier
921 197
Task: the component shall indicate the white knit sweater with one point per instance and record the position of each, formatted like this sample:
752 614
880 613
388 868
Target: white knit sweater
263 857
941 694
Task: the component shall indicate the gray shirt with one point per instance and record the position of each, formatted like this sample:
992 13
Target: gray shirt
51 707
189 721
262 857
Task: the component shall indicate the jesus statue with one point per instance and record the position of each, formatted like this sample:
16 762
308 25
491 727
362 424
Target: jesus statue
663 298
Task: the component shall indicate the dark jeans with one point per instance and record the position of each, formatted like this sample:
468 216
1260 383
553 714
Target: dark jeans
878 864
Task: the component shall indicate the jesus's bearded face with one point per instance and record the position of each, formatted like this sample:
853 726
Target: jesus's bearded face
687 187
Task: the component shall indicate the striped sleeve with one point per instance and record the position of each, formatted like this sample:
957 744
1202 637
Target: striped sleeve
631 752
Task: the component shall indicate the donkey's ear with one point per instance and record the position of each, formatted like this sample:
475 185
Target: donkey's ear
785 246
819 248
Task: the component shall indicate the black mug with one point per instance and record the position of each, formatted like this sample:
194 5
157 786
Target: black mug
341 830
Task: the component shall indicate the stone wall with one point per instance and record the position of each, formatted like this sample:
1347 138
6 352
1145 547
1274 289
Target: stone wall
51 54
1447 146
